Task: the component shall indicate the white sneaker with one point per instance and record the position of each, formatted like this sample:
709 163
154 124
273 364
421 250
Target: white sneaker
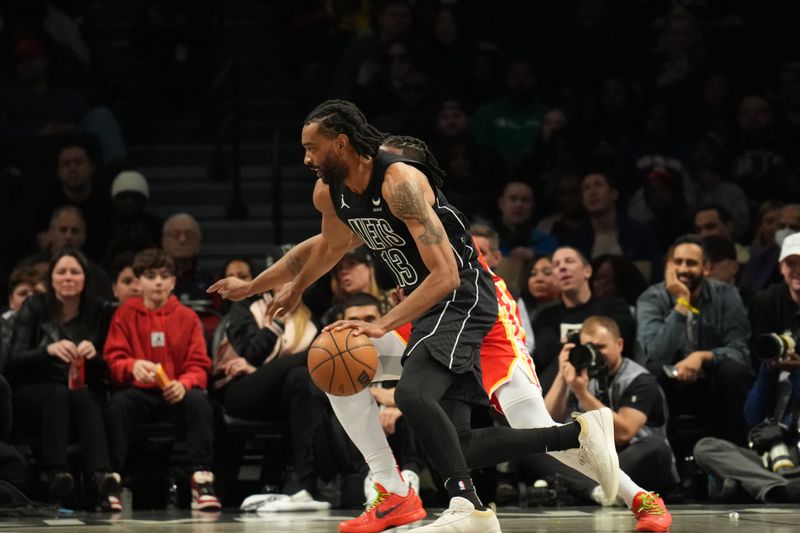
597 449
411 477
300 501
462 517
253 502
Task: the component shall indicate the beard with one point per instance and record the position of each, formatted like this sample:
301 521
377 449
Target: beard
333 170
691 282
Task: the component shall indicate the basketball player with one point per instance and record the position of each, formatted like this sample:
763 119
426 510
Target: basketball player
393 205
509 375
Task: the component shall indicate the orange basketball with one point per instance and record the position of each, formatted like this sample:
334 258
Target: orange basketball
342 364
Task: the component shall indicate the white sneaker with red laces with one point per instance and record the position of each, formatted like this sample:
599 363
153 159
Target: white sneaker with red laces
204 498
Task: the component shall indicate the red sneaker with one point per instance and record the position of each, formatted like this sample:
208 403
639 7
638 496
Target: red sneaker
650 512
204 498
388 510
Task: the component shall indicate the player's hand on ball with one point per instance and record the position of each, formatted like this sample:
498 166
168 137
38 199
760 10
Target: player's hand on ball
231 288
370 329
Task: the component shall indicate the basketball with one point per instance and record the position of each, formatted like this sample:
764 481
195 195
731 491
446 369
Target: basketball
342 364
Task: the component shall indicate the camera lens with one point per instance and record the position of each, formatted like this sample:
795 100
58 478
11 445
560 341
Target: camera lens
584 356
769 346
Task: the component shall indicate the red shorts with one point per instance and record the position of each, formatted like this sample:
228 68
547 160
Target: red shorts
504 346
501 349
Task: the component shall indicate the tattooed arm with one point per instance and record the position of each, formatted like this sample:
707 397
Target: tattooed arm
328 248
287 268
410 198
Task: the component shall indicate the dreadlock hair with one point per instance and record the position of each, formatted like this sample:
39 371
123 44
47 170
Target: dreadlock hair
337 117
416 149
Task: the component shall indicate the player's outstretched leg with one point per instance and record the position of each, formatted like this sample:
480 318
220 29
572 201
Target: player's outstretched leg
396 503
524 407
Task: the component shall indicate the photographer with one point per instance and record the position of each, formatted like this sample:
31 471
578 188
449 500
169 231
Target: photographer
772 405
772 409
593 375
772 309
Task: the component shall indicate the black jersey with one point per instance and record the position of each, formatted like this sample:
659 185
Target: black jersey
369 217
453 329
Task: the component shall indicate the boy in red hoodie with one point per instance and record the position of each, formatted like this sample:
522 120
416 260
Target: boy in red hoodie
157 329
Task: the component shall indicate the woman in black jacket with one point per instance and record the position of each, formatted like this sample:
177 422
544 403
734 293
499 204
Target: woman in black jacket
260 374
57 347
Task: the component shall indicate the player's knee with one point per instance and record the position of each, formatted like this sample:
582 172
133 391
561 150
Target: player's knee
464 436
408 399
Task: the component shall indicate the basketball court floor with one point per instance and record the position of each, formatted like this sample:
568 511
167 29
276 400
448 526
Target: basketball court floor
686 518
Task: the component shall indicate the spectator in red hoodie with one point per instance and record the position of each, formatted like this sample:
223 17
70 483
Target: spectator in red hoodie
157 329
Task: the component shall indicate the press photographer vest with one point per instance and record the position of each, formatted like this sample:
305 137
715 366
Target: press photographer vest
627 373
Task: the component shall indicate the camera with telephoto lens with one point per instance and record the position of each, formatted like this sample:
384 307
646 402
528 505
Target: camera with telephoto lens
769 440
779 346
586 356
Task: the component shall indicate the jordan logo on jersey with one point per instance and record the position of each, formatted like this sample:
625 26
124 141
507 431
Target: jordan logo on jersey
343 203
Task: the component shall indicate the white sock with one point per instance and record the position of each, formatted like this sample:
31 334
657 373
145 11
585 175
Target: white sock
360 419
523 404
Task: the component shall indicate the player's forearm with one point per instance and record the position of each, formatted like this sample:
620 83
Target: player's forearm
322 258
286 268
433 288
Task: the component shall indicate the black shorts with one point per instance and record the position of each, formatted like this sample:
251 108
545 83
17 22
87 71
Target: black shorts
453 330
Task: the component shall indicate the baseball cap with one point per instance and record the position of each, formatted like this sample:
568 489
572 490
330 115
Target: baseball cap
791 246
130 181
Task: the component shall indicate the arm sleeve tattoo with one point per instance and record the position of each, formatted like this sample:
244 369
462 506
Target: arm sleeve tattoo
408 202
293 264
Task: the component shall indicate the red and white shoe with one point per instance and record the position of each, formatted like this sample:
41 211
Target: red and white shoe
114 503
650 512
204 498
388 510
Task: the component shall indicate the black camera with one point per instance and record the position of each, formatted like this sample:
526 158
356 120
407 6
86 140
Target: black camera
769 439
586 356
774 345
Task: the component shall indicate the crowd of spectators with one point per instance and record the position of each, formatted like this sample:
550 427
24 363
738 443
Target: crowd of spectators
635 176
